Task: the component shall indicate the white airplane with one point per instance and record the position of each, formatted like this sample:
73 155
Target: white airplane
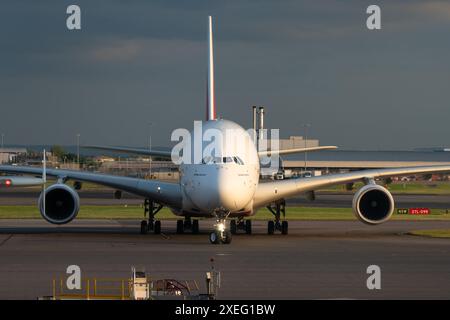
223 187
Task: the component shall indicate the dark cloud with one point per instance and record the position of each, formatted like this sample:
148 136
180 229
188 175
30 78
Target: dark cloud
140 62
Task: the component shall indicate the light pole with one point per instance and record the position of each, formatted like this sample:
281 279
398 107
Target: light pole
3 136
306 126
78 150
150 149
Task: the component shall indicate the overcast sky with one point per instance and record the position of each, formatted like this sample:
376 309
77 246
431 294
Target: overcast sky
141 62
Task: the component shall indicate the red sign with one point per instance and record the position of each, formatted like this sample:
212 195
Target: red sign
419 211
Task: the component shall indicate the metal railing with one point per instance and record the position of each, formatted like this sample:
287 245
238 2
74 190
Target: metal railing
120 289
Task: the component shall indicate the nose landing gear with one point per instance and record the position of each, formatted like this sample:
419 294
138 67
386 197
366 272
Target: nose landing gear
220 234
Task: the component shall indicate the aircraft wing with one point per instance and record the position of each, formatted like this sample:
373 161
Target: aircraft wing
296 150
164 192
146 152
270 191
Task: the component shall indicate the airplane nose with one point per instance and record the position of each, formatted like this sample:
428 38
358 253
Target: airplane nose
219 188
230 189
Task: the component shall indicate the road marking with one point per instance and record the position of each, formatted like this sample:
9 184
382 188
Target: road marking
5 240
165 236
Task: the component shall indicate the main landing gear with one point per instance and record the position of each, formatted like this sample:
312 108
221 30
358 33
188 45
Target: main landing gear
220 234
241 224
277 225
188 224
151 208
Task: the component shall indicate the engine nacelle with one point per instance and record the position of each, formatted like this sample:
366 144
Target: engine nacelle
62 204
373 204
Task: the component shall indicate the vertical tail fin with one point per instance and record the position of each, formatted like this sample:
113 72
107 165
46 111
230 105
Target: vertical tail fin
210 98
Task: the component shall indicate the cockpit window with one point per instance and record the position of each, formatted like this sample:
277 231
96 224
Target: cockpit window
212 160
207 160
238 160
219 160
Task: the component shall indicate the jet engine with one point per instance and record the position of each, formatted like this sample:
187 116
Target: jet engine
373 204
62 204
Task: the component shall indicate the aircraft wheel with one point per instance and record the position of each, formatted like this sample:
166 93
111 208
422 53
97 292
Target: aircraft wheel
227 237
144 228
248 226
180 226
157 227
214 237
270 227
195 227
284 227
150 225
233 227
187 223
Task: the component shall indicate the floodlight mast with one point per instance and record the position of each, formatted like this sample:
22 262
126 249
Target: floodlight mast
44 178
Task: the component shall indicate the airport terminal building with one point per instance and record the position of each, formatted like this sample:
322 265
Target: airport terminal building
9 155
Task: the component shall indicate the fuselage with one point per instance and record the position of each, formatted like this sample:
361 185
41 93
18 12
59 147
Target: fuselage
225 176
